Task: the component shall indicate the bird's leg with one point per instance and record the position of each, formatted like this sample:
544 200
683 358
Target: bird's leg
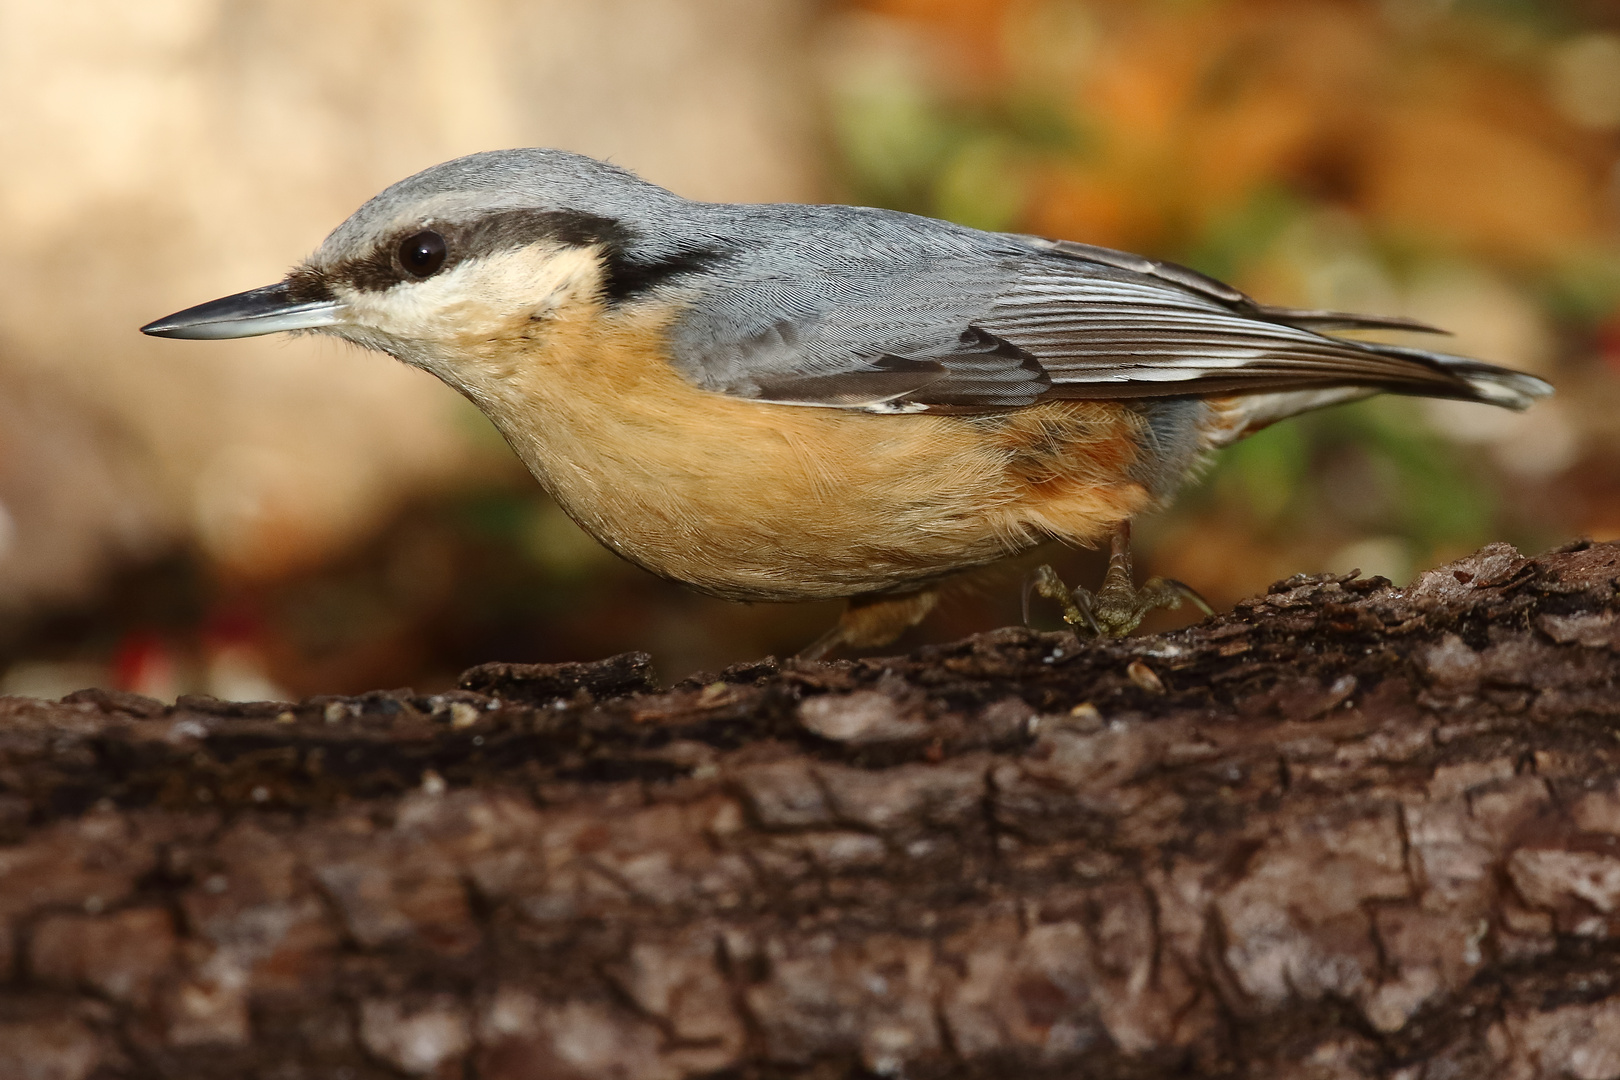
1119 606
871 621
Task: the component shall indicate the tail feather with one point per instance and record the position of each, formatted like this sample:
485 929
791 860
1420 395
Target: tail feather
1475 379
1240 415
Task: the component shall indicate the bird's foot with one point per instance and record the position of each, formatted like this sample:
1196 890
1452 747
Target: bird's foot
1115 609
1119 606
872 621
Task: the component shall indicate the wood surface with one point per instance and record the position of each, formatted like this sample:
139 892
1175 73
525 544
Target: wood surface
1346 830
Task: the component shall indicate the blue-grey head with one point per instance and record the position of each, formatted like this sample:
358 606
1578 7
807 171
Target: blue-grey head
461 249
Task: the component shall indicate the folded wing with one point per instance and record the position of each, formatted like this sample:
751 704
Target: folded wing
1024 319
1105 330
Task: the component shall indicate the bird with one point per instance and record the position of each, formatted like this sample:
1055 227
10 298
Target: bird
788 402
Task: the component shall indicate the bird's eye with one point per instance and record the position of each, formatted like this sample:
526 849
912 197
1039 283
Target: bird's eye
421 254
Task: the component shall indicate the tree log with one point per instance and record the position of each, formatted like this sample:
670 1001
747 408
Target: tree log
1346 830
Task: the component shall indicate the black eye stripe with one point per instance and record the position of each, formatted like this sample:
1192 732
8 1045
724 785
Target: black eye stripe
626 278
412 256
388 264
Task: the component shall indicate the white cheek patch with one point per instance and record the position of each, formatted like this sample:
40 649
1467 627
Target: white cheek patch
480 298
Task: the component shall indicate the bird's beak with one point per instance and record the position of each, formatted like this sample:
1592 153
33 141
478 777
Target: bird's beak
248 314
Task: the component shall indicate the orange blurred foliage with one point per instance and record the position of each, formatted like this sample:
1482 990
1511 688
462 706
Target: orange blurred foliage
1193 109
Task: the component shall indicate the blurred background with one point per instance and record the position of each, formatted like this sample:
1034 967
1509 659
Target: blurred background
275 518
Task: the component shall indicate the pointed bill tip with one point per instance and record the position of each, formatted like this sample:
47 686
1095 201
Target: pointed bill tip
268 310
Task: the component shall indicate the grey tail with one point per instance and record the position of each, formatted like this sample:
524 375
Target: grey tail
1470 380
1473 380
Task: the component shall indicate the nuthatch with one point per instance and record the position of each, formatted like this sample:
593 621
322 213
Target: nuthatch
784 402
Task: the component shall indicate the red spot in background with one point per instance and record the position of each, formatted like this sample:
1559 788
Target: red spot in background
234 625
145 663
1608 342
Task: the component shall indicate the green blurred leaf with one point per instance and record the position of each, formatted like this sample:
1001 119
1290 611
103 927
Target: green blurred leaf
1038 123
1439 500
1546 17
1442 501
980 185
906 148
561 547
892 140
1241 237
1264 472
503 516
1584 290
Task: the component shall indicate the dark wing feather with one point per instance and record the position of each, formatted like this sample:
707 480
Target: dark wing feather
1232 299
1106 331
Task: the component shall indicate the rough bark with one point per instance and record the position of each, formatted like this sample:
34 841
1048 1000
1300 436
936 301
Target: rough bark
1346 830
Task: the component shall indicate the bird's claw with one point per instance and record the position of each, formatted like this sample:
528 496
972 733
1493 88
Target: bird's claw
1075 605
1111 611
1118 607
